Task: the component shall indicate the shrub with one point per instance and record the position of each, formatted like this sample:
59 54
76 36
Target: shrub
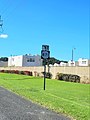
27 73
59 76
2 70
6 71
17 72
48 75
68 77
21 72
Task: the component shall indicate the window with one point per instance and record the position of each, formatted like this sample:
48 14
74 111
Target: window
83 62
31 60
28 60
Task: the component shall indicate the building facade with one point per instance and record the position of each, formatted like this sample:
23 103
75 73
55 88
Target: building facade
3 64
83 62
25 60
63 64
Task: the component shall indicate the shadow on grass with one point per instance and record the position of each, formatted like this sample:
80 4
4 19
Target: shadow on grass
28 90
26 78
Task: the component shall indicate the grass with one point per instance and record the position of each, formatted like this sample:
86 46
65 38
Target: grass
71 99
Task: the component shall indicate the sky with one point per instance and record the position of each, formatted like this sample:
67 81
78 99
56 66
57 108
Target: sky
29 24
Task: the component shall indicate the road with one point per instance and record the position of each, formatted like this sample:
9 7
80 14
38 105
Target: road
14 107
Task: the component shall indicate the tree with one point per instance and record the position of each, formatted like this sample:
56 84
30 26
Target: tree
5 59
53 60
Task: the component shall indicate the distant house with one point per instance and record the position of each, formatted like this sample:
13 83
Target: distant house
63 64
71 63
55 64
83 62
25 60
3 63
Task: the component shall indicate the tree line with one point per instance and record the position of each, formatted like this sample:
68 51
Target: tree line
5 59
53 60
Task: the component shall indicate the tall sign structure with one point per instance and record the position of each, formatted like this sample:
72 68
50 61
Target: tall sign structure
45 54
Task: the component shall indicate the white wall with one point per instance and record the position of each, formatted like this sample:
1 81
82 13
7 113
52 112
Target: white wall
15 60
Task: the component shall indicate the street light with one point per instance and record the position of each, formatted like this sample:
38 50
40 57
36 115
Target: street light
72 54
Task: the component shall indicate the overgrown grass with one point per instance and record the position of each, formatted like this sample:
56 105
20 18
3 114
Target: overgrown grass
71 99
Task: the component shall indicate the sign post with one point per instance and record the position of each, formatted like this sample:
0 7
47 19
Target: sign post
45 54
44 73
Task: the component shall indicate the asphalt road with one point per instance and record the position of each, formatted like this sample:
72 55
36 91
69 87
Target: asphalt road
14 107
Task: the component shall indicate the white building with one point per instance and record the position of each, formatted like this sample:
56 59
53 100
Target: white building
55 64
71 63
25 60
63 64
3 64
83 62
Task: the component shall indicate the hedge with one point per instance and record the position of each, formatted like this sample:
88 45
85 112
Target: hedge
68 77
17 72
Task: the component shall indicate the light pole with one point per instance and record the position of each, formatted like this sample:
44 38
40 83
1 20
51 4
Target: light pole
72 54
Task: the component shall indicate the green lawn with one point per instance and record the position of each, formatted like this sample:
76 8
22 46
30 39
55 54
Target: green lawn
71 99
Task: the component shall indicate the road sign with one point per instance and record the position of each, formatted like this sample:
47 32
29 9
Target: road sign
45 47
45 54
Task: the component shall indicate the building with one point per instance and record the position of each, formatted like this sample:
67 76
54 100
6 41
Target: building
55 64
25 60
3 63
83 62
63 64
71 63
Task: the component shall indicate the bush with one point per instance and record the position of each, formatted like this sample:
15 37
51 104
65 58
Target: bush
2 71
21 72
27 73
68 77
17 72
48 75
6 71
59 76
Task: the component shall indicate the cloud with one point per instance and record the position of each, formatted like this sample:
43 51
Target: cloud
3 35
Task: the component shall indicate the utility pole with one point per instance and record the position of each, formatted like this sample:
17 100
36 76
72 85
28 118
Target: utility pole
72 54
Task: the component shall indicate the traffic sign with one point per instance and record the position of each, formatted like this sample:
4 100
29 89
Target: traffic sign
45 54
45 47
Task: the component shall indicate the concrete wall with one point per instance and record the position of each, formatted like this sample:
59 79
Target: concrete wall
83 72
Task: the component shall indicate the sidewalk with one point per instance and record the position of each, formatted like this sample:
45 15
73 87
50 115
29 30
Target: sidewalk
14 107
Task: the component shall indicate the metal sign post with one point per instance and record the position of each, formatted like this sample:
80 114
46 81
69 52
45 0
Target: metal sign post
44 73
45 54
